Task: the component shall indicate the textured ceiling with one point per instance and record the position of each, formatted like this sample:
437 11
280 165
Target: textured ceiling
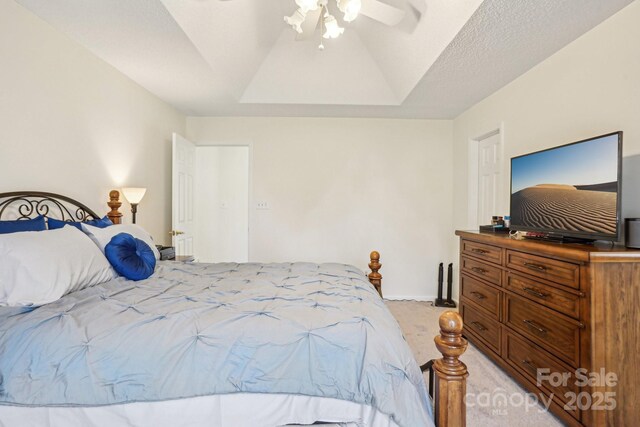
238 57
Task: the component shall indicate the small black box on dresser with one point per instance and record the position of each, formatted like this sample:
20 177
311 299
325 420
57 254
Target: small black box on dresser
632 233
166 252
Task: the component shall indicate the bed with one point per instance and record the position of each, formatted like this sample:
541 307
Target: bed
221 345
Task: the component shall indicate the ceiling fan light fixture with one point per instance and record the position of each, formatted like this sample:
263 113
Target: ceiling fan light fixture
296 20
333 30
312 14
307 5
350 8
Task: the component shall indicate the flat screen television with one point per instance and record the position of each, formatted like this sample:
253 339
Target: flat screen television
571 191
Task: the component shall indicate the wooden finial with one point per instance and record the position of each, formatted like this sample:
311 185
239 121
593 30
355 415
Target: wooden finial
450 373
374 277
114 203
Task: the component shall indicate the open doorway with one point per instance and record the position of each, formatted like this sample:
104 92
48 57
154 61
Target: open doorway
222 203
210 201
485 178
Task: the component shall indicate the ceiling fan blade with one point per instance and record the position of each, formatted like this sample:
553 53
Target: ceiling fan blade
310 24
382 12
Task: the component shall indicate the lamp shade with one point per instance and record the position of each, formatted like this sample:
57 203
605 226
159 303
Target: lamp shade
134 195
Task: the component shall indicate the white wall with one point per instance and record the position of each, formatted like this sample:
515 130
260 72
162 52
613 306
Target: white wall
590 87
72 124
222 204
339 188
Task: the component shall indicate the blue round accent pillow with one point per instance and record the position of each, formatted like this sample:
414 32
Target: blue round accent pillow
130 257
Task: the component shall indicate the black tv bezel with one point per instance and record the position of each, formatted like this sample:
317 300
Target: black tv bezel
569 233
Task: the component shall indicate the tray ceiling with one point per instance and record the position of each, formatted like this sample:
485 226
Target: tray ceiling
238 57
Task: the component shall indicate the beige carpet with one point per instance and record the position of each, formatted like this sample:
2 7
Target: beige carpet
487 383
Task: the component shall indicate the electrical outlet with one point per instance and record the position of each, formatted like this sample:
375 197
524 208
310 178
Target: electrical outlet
262 205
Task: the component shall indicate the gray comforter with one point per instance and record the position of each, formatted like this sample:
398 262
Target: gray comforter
202 329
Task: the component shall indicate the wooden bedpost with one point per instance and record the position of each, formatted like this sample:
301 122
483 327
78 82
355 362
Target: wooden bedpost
450 373
114 203
374 277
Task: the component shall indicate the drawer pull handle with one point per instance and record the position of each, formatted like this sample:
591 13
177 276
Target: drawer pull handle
535 326
479 251
535 293
478 295
535 266
529 365
479 270
479 326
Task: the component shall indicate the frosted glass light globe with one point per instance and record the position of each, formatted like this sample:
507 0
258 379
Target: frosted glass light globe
296 20
350 8
307 5
333 29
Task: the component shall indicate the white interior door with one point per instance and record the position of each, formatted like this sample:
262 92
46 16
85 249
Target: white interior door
183 210
489 178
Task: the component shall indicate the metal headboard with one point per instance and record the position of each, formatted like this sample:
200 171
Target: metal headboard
29 204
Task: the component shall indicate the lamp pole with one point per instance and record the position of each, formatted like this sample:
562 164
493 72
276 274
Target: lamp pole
134 210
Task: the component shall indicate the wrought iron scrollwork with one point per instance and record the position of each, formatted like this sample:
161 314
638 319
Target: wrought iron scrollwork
30 204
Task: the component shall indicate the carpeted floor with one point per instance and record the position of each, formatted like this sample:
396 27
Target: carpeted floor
493 398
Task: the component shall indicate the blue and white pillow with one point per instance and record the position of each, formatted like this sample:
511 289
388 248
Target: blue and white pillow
102 236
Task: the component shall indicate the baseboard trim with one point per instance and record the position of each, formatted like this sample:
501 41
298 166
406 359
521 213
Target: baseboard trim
411 298
414 298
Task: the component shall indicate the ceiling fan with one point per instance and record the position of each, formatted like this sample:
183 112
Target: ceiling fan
313 13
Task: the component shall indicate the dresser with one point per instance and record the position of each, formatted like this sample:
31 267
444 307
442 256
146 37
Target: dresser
562 319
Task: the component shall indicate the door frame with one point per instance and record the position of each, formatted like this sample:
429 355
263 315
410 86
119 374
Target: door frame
239 143
472 177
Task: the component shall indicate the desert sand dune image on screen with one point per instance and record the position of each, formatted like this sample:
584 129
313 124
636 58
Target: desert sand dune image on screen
565 207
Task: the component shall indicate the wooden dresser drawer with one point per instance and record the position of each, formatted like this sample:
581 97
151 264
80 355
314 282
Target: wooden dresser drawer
563 301
528 359
481 250
483 270
483 295
563 307
554 332
482 326
564 273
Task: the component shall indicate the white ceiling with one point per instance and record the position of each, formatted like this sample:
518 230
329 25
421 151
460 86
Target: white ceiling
239 58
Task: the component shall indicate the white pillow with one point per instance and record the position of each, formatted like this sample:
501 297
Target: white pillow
102 236
39 267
